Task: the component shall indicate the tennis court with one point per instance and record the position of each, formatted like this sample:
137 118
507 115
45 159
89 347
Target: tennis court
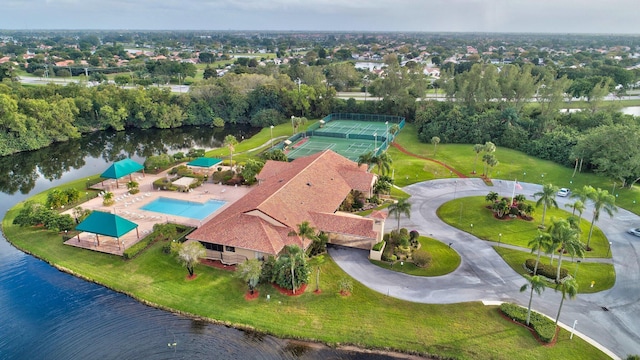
350 127
351 149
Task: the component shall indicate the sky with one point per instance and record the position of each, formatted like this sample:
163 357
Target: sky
539 16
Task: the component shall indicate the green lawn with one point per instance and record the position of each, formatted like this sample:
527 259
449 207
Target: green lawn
603 275
443 260
513 165
366 318
514 231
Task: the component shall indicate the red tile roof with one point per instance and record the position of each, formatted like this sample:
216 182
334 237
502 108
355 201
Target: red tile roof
287 195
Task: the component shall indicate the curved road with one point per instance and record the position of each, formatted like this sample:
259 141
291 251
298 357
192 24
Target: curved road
484 276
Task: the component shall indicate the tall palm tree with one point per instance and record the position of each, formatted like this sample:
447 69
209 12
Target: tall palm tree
367 158
477 148
547 198
535 283
568 287
230 141
582 195
293 256
539 243
566 236
602 200
305 231
383 162
578 206
400 207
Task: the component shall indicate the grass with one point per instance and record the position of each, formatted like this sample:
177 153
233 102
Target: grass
250 148
366 318
443 260
514 231
603 275
513 165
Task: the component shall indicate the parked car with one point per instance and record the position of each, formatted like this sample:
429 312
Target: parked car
634 231
564 192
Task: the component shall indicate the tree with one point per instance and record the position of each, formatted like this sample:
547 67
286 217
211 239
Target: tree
535 283
477 148
230 142
566 237
107 198
189 255
305 231
602 200
578 206
582 195
491 197
383 163
399 208
319 261
367 158
293 268
541 242
393 130
547 197
435 141
569 288
250 169
250 271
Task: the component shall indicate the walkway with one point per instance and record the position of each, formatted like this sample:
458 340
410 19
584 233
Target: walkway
483 275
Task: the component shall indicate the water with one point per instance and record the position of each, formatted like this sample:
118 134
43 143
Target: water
189 209
48 314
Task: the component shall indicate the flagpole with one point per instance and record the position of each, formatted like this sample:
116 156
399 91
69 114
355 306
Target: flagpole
513 194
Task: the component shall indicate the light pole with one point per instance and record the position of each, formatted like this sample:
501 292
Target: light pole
455 189
293 129
609 249
575 274
366 82
271 127
499 239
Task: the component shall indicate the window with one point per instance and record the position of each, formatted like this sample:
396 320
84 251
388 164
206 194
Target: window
230 249
210 246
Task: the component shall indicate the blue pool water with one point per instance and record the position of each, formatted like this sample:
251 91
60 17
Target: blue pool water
193 210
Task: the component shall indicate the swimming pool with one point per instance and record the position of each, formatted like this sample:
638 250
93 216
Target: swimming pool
190 209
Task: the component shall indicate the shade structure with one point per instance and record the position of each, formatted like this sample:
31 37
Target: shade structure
204 162
121 168
107 224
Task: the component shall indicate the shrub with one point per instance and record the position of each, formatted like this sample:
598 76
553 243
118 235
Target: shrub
138 247
421 258
268 270
543 326
378 246
546 270
345 285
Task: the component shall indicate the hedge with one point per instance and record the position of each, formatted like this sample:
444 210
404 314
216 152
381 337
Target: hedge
543 326
546 270
138 247
378 246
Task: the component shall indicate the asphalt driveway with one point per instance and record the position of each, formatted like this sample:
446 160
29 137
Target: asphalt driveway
484 276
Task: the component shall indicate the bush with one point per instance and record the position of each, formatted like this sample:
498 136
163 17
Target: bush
543 326
378 246
546 270
345 285
138 247
421 258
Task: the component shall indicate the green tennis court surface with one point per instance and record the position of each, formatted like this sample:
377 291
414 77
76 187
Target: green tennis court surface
355 127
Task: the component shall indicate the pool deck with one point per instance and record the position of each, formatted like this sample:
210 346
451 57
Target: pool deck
129 207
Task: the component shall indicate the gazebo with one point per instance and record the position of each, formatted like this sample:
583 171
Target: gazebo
122 168
103 223
204 162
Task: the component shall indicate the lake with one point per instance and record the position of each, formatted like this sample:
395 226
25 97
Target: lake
48 314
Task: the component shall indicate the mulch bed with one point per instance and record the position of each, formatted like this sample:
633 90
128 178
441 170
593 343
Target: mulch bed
217 264
249 296
535 334
190 278
288 292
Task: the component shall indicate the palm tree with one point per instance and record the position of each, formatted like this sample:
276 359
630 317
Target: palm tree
547 197
305 231
536 284
383 162
230 141
568 287
292 256
400 207
602 200
539 243
583 195
393 130
367 158
578 206
566 236
477 148
492 196
435 141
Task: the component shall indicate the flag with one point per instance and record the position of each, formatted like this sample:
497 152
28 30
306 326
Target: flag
518 186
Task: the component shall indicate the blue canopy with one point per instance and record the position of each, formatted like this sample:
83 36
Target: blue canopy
204 162
107 224
121 168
